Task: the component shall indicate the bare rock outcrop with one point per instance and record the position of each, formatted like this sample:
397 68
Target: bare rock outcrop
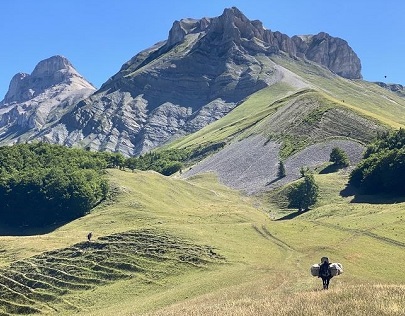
40 98
332 52
394 87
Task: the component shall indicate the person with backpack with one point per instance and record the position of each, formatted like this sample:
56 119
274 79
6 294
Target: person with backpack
325 272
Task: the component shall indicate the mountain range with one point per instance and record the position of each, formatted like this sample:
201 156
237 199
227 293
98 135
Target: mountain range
205 69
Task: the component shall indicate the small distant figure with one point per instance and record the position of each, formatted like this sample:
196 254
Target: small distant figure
89 236
325 272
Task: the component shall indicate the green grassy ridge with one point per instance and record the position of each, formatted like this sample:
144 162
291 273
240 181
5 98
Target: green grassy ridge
339 107
44 279
261 253
244 116
311 118
318 114
364 97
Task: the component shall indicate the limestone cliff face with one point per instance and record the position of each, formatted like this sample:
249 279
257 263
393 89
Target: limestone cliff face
204 69
332 52
37 99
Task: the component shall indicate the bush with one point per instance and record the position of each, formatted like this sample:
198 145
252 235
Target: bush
382 172
172 168
303 194
281 170
382 169
339 158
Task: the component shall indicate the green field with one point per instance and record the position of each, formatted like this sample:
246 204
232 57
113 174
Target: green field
167 246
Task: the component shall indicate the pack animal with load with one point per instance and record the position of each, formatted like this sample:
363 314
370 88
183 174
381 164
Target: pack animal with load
335 269
326 271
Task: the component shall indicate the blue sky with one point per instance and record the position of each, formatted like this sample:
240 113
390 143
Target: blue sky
98 36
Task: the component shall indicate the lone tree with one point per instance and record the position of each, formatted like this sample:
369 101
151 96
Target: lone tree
281 170
339 158
304 193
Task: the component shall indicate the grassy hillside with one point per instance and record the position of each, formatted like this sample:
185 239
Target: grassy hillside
227 256
327 106
364 97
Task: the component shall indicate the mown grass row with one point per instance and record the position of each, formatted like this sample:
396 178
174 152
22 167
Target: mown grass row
36 284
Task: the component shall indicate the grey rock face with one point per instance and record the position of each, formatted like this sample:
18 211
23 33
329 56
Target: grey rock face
331 52
37 99
394 87
202 71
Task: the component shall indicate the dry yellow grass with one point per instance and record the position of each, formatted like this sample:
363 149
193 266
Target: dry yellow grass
262 299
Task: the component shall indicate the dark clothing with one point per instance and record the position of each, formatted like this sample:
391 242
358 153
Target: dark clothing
325 274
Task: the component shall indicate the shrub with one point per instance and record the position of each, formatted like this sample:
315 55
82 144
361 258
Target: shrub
303 194
382 169
281 170
339 157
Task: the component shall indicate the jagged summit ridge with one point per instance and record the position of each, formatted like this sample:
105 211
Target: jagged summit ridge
203 70
234 29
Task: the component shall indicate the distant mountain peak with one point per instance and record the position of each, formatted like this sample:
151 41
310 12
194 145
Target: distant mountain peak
47 73
50 66
40 98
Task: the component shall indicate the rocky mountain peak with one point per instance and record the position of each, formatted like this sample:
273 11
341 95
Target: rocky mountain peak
233 26
49 72
203 70
233 30
53 65
40 98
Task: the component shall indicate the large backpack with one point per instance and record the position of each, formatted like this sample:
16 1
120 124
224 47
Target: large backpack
324 270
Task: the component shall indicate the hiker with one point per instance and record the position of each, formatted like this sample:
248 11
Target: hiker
325 272
89 236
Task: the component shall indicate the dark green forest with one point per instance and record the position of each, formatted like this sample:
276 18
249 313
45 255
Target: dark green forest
42 184
382 169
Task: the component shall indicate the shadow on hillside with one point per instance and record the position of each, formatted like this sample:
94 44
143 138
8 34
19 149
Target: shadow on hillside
329 169
349 190
273 181
370 198
378 199
292 215
29 231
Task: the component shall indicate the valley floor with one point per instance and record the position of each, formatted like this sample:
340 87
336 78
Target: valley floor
219 253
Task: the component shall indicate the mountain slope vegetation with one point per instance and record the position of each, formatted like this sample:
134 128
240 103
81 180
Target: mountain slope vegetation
42 184
252 264
217 235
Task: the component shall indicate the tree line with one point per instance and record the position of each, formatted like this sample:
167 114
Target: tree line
382 169
42 184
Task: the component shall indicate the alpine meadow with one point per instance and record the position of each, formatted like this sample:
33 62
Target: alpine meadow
212 170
